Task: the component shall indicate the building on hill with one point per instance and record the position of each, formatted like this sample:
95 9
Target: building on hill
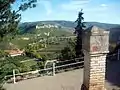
46 26
25 38
15 52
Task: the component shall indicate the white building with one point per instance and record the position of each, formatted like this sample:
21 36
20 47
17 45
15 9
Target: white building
25 38
46 26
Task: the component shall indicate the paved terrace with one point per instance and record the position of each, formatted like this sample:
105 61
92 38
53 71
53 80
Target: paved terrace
71 80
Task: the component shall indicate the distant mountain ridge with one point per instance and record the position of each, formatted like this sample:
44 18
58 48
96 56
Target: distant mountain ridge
69 25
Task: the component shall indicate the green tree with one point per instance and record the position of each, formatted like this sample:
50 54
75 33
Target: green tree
9 20
41 63
31 50
10 63
78 31
6 67
69 51
3 54
24 68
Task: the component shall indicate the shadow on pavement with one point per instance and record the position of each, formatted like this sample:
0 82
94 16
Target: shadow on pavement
113 72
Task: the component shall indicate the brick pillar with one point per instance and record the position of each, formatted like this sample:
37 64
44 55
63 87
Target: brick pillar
95 48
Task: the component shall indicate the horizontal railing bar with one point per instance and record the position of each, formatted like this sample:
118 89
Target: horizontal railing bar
46 69
69 64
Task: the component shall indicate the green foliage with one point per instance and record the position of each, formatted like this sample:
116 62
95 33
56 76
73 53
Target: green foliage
20 43
9 20
78 30
3 54
41 62
1 87
24 68
21 58
6 67
8 64
53 31
34 64
69 51
31 50
41 65
29 66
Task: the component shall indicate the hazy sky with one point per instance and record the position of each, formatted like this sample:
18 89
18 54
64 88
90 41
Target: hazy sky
106 11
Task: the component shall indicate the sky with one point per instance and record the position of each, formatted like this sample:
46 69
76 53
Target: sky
105 11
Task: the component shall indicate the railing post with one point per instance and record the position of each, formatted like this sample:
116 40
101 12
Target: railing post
14 76
53 69
118 54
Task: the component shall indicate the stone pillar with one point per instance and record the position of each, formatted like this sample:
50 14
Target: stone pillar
95 48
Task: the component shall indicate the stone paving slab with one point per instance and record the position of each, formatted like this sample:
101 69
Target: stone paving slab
71 80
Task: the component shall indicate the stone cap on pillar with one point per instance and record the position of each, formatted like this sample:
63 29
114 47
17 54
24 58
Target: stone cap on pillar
94 30
96 40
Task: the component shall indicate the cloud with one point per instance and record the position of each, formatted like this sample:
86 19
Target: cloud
103 5
75 5
47 5
95 9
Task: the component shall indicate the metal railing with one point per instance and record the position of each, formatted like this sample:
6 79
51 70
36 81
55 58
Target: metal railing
59 67
47 71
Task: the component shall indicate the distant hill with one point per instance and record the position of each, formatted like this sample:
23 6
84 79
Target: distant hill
102 25
114 29
27 26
